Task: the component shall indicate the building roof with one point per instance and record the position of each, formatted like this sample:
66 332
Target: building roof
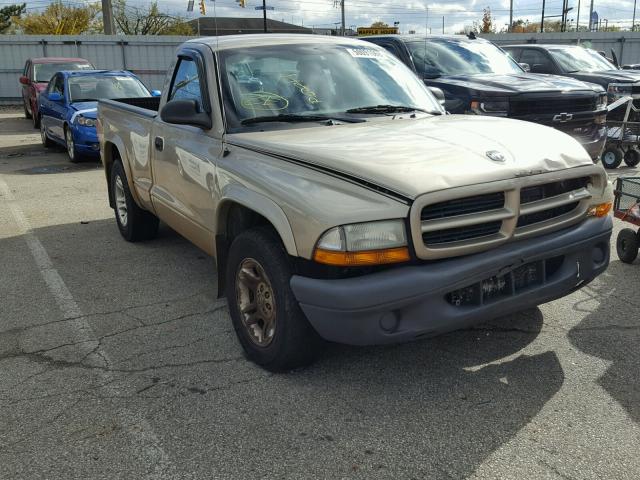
240 25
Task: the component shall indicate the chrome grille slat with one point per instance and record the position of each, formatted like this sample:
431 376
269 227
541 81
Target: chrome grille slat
466 220
553 202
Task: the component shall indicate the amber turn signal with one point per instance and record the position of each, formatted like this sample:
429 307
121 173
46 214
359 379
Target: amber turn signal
600 210
360 259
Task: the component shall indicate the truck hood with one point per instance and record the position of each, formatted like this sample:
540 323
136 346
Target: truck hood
415 156
608 76
514 83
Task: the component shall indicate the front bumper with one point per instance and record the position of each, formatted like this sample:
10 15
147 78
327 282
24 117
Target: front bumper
86 140
417 301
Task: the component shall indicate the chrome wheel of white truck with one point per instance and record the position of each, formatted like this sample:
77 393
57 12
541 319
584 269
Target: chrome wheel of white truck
121 201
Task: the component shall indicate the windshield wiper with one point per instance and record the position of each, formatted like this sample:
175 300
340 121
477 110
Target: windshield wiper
385 109
290 117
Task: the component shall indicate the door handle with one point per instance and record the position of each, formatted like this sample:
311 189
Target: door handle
159 143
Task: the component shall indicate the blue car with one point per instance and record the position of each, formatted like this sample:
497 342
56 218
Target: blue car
68 107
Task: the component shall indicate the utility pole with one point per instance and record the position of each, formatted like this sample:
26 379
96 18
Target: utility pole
633 22
107 18
578 17
591 17
542 19
510 15
443 23
264 15
343 22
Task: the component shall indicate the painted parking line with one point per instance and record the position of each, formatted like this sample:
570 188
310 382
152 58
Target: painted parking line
86 339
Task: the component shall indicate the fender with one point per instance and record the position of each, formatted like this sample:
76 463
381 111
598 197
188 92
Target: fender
261 204
117 143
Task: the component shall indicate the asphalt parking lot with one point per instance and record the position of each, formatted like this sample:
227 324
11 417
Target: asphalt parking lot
118 361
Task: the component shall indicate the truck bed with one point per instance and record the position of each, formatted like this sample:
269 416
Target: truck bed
147 106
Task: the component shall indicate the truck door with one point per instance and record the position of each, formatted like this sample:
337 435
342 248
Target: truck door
185 156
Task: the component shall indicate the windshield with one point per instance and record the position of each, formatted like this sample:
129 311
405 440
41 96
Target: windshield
316 79
441 57
89 87
42 72
579 59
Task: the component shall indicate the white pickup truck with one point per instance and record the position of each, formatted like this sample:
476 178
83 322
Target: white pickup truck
341 202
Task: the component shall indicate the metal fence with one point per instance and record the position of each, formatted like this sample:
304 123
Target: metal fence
625 44
148 56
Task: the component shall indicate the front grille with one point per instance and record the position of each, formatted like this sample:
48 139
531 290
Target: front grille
461 233
463 206
547 190
544 215
476 222
552 105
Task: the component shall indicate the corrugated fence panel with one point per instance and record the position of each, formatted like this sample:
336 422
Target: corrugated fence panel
147 56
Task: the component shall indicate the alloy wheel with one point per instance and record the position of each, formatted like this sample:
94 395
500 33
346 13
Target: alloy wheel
121 201
256 302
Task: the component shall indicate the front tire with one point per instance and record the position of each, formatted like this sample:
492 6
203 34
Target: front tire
611 157
72 151
134 223
627 245
268 321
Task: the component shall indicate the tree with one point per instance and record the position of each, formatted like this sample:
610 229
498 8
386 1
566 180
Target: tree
61 19
9 13
148 20
487 21
379 25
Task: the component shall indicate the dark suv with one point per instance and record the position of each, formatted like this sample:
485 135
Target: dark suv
479 78
580 63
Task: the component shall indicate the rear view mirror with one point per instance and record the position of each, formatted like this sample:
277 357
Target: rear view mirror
185 112
24 80
438 93
525 67
55 97
156 93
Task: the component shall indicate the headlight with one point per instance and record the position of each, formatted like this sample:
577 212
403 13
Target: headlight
86 122
619 89
498 108
360 244
601 104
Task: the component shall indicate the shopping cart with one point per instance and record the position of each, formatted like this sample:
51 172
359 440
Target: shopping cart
623 136
626 207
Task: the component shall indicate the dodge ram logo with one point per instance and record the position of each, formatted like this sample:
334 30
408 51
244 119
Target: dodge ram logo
562 117
496 156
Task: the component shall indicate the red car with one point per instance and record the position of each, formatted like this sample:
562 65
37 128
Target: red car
36 75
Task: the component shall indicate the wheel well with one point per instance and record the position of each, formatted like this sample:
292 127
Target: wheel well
111 154
233 220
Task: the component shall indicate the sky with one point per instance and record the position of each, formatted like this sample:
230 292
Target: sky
416 15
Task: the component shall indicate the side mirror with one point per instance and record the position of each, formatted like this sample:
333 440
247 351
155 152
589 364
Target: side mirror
525 66
156 93
25 80
438 93
55 97
185 112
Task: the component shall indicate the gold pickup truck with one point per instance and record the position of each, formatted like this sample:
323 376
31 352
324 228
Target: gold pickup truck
341 202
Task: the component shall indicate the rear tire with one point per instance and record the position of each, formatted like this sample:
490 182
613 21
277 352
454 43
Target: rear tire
632 157
611 157
35 117
46 141
268 321
27 115
627 245
134 223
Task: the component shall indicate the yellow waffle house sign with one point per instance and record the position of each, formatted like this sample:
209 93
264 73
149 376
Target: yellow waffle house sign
365 31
